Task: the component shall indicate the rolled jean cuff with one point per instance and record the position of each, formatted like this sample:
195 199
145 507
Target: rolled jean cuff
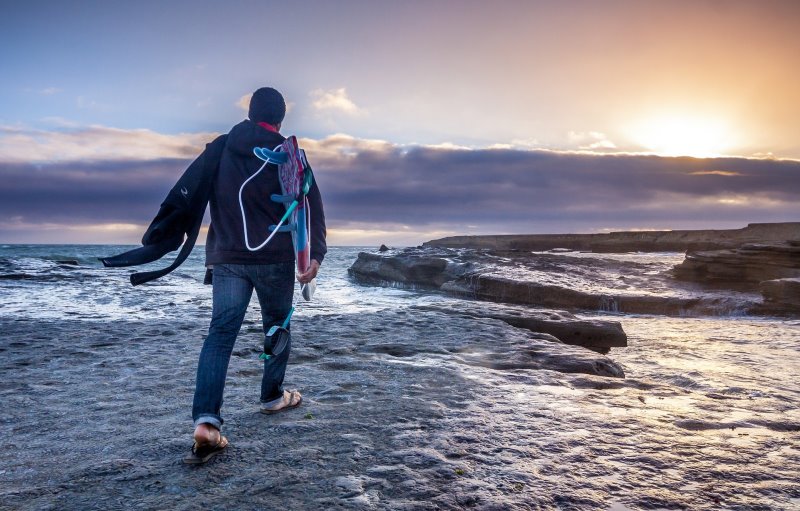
272 402
208 419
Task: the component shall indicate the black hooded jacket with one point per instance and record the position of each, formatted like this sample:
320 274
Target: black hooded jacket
180 215
225 242
216 176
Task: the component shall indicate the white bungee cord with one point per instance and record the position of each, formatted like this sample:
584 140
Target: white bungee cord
244 217
305 289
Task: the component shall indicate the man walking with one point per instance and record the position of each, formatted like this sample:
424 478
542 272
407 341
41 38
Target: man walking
238 271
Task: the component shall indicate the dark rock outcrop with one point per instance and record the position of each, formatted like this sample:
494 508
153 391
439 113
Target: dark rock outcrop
596 335
781 294
472 274
499 289
411 268
629 241
407 270
415 269
744 267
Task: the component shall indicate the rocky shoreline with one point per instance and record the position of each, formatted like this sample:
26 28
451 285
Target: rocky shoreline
772 269
559 326
421 269
762 277
742 267
412 400
462 275
101 418
630 241
742 278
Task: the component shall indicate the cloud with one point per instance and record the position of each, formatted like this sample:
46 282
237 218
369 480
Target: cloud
84 103
590 141
341 146
335 100
60 122
95 143
19 231
244 102
46 91
714 173
377 191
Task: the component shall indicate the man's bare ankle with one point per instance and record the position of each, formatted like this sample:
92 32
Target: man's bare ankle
206 434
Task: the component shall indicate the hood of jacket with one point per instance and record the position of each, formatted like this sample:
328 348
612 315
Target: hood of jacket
246 135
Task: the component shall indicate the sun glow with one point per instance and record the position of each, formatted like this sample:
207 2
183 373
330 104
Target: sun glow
684 136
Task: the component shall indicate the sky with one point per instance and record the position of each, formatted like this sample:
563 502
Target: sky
421 119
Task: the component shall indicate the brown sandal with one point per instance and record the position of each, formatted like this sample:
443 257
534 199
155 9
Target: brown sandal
290 399
202 453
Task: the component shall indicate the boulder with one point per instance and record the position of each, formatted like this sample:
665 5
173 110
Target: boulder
744 267
412 269
596 335
783 295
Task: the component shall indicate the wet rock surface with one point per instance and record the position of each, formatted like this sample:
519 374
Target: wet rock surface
410 268
416 268
403 409
743 267
781 294
96 418
561 325
576 281
772 269
412 399
499 289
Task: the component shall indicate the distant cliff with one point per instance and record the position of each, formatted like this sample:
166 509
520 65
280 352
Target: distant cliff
631 241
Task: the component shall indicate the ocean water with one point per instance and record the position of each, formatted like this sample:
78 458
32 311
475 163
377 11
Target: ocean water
708 416
44 282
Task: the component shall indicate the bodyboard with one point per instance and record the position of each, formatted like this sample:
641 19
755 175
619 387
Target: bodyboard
293 178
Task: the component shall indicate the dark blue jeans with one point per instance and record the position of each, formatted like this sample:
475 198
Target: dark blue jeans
233 287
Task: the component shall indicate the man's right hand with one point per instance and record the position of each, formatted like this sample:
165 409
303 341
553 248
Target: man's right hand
308 276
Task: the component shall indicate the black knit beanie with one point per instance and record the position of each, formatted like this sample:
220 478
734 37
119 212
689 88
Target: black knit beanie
267 105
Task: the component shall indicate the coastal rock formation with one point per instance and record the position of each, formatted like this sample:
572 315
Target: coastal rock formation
596 335
517 270
505 290
781 294
744 267
409 270
417 270
629 241
479 275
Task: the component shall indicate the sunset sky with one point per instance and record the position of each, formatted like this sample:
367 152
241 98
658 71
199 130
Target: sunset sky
421 119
